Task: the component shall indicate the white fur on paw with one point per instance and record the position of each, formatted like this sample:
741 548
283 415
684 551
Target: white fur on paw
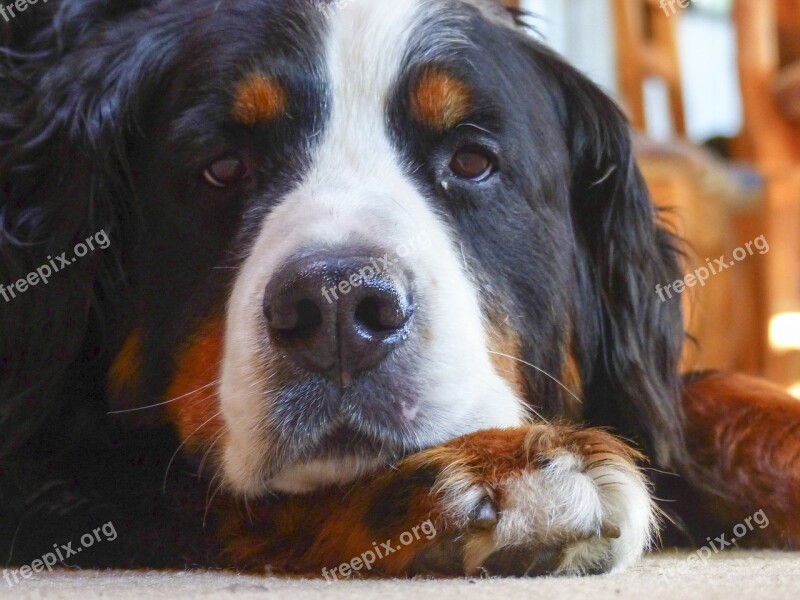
574 516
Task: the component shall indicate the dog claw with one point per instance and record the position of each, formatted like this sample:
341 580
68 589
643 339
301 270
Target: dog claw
610 532
485 515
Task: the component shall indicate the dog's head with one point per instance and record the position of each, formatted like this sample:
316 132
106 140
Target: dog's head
339 232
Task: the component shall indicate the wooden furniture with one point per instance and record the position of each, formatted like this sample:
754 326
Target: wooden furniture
772 143
787 91
646 47
706 201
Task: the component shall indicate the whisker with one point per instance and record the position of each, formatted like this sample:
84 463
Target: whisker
210 500
183 443
208 452
528 408
248 510
130 410
525 406
542 371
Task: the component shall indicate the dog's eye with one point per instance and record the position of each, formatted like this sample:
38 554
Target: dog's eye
225 171
475 164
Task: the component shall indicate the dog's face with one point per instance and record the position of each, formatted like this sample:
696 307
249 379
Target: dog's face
360 231
383 192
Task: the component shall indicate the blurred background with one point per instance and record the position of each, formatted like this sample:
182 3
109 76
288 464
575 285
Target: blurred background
712 88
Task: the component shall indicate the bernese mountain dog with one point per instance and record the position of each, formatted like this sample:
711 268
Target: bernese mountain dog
285 281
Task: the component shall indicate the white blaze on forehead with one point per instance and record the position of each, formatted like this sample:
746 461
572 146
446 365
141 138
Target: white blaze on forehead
365 51
357 193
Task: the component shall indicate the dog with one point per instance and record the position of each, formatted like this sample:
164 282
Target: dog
336 287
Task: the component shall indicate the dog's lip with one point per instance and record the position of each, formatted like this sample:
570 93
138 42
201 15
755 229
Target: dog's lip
360 422
345 438
315 473
339 441
342 442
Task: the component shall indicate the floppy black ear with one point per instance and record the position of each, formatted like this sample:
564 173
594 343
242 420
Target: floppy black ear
629 340
69 115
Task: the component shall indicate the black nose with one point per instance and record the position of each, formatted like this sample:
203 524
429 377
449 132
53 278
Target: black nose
336 315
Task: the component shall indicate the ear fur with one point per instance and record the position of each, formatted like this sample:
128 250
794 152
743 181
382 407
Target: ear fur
72 99
629 341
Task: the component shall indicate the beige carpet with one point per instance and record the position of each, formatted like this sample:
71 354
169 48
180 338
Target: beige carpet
728 576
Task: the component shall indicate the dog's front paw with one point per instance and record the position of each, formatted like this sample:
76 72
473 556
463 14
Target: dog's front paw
534 501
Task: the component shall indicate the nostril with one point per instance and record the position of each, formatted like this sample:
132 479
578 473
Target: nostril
381 313
298 320
368 314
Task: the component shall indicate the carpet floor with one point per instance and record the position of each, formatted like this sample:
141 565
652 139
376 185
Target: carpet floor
729 576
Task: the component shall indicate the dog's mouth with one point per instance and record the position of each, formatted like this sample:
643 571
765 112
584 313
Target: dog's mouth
344 440
375 416
313 456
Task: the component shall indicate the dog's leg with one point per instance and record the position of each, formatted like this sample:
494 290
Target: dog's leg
525 501
744 434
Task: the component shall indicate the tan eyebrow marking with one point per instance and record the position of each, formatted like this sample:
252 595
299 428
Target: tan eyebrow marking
440 100
258 99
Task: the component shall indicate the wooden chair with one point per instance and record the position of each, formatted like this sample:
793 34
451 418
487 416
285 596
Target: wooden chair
769 39
646 47
706 202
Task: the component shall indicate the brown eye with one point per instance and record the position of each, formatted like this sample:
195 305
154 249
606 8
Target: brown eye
474 164
225 171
